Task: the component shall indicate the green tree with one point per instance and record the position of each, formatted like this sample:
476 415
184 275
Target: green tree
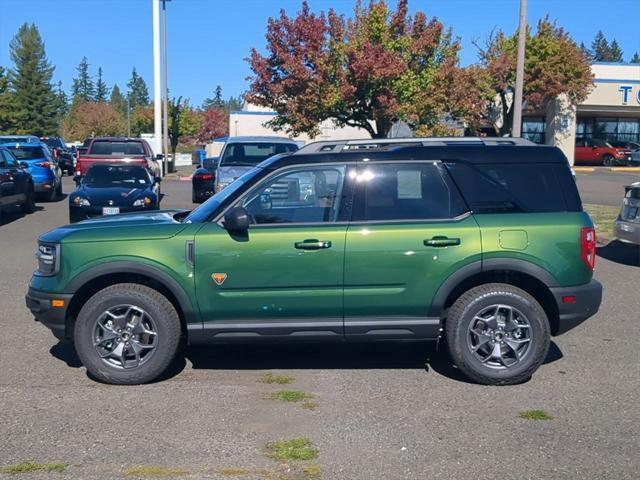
368 72
600 48
615 52
215 101
87 119
118 101
635 58
102 91
585 50
34 100
141 120
138 93
62 103
7 110
83 89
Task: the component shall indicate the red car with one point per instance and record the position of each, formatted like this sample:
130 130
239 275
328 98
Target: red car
118 150
594 151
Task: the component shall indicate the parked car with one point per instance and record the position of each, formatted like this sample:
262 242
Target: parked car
633 146
19 139
61 153
635 159
16 184
45 171
627 226
113 189
203 180
593 151
482 243
118 150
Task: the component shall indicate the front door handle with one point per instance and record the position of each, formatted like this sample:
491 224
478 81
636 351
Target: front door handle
312 244
440 241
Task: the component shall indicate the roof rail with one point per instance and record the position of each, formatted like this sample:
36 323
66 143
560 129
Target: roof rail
335 146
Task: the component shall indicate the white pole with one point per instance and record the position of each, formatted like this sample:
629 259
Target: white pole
165 93
517 98
157 98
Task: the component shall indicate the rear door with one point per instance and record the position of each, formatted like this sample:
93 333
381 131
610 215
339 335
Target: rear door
7 181
409 232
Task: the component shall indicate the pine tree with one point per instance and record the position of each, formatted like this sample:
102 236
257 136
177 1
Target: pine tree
102 91
615 52
600 48
216 101
635 58
7 111
34 100
62 103
83 88
118 101
138 93
585 50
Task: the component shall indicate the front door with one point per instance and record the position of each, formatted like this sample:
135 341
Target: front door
285 276
410 232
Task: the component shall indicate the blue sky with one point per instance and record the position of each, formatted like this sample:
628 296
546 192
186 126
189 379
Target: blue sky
209 39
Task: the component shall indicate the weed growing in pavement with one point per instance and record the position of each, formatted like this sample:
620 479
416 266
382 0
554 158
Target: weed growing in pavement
535 415
290 396
30 467
270 378
293 449
154 471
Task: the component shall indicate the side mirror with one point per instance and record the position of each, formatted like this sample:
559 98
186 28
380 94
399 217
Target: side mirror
77 179
265 201
237 220
157 179
159 156
23 164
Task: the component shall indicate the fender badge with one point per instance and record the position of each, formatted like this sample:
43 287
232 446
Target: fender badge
219 278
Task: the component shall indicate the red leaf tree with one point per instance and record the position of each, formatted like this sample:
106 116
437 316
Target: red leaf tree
215 123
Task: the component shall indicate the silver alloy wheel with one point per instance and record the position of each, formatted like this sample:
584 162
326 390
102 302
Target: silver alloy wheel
499 336
125 336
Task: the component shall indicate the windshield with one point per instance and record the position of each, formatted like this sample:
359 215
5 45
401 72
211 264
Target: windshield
27 153
116 148
117 175
204 211
54 142
15 140
252 153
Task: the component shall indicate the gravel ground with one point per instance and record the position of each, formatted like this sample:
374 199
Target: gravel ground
380 413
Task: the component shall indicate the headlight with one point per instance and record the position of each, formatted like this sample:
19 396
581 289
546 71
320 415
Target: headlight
146 201
48 257
81 202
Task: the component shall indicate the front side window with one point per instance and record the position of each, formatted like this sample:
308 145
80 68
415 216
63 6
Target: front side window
300 195
409 191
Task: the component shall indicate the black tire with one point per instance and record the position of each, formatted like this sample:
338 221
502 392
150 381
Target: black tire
59 193
29 205
466 309
608 160
167 325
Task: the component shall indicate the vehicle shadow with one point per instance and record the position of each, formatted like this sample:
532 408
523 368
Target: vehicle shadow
16 214
619 252
309 356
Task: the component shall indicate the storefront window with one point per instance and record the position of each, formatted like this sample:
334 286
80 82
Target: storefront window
533 129
609 129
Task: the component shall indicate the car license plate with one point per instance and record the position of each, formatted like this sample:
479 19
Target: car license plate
110 210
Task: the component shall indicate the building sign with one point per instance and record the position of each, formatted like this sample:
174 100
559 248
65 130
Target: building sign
628 93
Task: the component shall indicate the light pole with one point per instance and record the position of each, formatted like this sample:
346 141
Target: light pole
157 99
516 127
165 83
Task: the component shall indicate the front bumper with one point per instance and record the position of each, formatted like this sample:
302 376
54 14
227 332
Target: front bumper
587 301
55 318
77 214
628 232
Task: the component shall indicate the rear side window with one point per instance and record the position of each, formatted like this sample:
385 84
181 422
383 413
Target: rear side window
510 188
404 191
28 153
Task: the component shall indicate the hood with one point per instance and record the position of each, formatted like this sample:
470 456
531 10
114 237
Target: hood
119 196
229 174
153 225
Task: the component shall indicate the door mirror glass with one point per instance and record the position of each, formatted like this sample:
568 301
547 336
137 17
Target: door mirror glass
23 164
237 220
159 156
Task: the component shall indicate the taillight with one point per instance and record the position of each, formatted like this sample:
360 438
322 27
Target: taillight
205 177
588 246
55 153
43 164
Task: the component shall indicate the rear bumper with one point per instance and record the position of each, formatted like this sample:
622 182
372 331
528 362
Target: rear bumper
587 302
55 318
627 231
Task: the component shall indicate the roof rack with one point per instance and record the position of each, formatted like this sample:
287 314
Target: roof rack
335 146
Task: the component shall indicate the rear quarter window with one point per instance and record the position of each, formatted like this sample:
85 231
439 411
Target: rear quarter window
514 188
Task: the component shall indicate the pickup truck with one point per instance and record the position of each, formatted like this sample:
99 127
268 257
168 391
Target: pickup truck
118 150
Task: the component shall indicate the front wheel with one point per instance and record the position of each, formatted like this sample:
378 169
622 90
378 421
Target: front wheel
608 160
127 334
497 334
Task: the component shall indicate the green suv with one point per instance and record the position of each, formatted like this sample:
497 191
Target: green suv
482 243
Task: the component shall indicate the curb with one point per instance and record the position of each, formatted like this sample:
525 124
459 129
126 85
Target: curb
606 169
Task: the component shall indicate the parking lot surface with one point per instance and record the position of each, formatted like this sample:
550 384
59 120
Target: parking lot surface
377 412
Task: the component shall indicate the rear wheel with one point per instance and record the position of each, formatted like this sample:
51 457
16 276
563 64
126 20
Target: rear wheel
127 334
497 334
29 205
608 160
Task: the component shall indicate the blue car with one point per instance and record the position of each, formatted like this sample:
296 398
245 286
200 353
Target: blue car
46 173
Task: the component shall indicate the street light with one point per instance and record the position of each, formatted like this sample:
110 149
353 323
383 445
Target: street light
516 127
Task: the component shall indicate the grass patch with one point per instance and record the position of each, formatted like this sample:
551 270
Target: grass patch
290 396
603 217
293 449
270 378
535 415
30 467
154 471
240 472
311 472
308 405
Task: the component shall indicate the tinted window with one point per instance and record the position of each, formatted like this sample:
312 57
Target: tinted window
120 175
4 159
28 153
305 195
116 148
404 192
53 142
252 153
508 188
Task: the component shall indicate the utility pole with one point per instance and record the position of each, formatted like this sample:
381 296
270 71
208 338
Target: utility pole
516 127
165 87
157 99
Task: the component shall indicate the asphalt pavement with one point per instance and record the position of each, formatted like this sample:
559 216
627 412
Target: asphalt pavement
379 411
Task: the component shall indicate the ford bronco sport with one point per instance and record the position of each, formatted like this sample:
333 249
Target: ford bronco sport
481 242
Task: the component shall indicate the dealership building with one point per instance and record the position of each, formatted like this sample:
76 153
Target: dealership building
611 112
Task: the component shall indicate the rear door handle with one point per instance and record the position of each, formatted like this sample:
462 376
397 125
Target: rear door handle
312 244
440 241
